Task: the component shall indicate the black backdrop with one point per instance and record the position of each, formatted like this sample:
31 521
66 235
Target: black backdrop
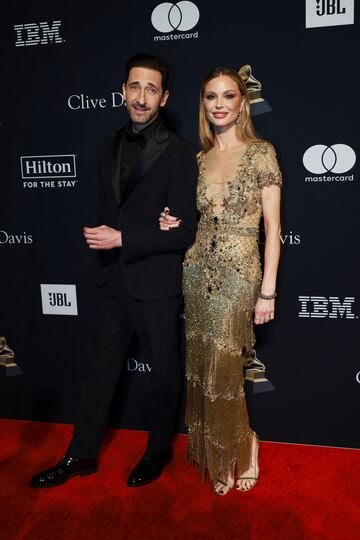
60 94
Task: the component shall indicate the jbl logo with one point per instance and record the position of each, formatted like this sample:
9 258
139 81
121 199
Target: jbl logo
320 307
59 299
37 34
329 13
329 7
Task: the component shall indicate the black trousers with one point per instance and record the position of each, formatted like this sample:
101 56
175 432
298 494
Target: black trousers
119 317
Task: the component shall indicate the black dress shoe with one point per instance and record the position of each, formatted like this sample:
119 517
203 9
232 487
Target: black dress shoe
65 469
149 468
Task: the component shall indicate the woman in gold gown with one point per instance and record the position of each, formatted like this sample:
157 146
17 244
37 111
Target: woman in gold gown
224 288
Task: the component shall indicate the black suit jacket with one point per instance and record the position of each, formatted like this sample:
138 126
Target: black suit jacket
165 175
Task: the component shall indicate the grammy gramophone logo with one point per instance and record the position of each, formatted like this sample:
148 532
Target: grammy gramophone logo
255 372
255 369
254 88
8 366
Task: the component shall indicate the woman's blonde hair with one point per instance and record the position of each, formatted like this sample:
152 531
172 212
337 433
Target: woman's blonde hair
245 131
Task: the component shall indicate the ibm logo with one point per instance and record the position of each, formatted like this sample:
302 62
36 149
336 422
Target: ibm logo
320 307
37 34
320 13
48 166
58 299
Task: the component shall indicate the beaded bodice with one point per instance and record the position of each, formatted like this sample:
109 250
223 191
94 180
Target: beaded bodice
230 208
234 196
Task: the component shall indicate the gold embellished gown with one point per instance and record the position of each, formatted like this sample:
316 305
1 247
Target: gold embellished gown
222 278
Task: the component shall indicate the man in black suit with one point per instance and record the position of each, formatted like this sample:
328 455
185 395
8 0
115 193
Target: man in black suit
143 168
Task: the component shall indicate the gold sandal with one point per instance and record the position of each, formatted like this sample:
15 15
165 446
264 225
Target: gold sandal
221 487
253 479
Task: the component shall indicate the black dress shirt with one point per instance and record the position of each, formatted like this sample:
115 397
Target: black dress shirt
132 146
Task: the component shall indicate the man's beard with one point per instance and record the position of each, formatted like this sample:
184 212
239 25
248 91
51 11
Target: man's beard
138 117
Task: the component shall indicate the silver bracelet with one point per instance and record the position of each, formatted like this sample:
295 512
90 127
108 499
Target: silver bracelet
267 296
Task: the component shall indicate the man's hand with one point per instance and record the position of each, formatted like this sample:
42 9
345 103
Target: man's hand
102 237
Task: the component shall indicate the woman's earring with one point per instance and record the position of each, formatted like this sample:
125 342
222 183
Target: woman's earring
238 121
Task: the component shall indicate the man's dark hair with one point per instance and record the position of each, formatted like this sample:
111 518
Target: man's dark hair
150 61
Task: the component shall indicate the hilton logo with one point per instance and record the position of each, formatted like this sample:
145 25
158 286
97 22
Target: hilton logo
320 307
42 171
58 299
329 13
38 34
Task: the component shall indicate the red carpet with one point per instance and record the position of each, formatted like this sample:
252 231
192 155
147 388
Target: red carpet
304 492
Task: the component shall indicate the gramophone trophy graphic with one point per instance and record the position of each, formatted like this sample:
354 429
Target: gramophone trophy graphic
258 104
255 372
8 366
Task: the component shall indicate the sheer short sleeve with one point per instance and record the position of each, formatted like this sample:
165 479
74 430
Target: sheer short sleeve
267 165
200 156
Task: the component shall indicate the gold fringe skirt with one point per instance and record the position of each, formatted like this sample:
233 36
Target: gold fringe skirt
219 341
